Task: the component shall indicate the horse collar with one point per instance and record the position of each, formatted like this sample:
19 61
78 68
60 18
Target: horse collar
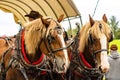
24 53
20 50
84 61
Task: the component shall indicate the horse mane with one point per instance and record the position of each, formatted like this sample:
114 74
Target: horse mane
84 32
83 36
35 31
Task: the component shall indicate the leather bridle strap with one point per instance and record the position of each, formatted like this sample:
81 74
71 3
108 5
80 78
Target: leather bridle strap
96 52
55 50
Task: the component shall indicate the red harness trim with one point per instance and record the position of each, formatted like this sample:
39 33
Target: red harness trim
24 55
43 72
84 61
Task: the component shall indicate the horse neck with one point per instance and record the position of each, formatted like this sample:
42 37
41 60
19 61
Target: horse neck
34 57
32 49
88 56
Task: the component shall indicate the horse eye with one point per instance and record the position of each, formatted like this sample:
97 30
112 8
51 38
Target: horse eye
59 31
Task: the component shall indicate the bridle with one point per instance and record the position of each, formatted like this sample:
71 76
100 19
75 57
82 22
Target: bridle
94 52
91 43
48 41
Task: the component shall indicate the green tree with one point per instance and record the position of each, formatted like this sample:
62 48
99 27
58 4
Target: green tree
114 25
74 32
118 34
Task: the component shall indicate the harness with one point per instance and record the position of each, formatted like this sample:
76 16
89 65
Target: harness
18 62
79 66
40 67
10 48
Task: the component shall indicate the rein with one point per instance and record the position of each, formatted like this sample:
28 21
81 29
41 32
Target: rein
56 50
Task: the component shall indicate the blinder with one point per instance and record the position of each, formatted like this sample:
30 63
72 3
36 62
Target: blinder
111 36
66 36
90 39
50 39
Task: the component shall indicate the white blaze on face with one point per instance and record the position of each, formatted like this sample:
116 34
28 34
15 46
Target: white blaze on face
104 59
66 60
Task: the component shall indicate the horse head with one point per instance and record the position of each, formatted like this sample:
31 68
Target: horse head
94 39
46 35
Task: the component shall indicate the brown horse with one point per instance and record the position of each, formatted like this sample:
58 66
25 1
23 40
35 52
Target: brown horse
27 60
89 58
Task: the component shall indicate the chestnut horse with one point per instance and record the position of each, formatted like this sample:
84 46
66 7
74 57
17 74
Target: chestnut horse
40 41
89 59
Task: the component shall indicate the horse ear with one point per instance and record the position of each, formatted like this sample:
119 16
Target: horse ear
91 21
45 22
104 18
60 18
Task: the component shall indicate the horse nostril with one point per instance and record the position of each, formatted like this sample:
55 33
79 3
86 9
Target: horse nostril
63 66
100 68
